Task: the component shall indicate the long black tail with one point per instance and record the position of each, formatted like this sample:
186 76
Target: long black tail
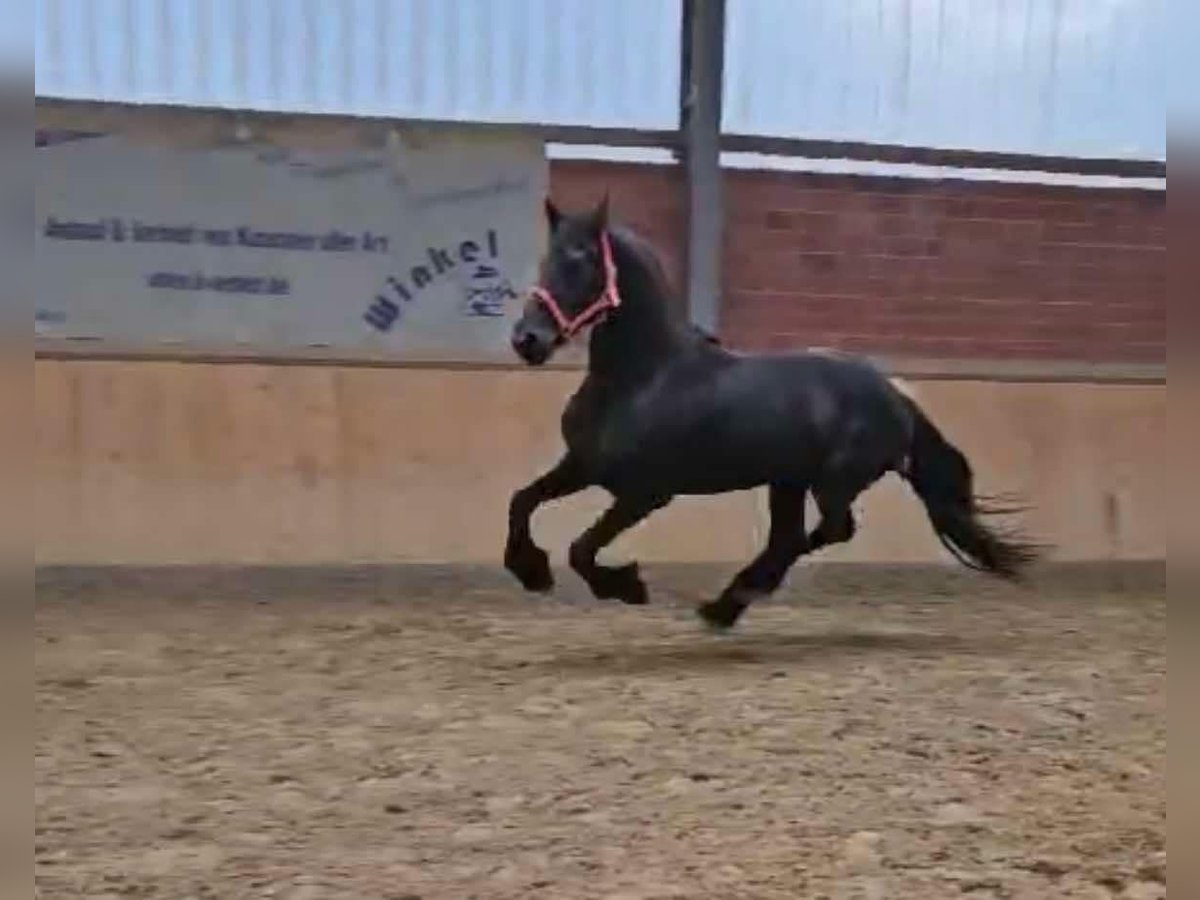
940 474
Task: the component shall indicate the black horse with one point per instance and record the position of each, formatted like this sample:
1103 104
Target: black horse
666 410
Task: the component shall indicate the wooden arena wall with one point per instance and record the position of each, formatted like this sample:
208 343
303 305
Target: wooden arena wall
172 462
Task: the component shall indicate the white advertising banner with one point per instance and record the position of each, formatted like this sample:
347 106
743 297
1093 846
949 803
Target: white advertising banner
419 250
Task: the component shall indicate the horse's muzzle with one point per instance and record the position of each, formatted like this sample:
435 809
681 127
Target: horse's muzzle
531 348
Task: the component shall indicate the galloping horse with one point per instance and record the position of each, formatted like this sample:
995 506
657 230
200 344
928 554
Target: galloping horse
665 410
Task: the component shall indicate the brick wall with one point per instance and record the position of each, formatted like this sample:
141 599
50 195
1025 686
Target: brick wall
920 269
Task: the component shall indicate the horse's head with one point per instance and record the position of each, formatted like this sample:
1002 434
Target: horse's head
577 284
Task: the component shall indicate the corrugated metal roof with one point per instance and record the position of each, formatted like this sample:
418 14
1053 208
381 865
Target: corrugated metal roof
16 51
569 62
1050 77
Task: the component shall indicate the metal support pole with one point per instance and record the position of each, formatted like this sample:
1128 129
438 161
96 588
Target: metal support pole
702 65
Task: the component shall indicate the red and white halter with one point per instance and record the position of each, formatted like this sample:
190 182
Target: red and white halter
608 300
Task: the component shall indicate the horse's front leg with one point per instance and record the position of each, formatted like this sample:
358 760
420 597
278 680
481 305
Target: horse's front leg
608 583
525 559
786 543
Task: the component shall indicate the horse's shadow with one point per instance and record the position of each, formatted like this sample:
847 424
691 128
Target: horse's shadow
710 652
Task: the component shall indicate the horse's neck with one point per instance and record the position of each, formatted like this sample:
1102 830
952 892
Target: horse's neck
641 336
619 355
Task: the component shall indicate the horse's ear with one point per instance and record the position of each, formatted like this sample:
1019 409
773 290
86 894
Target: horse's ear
553 215
600 214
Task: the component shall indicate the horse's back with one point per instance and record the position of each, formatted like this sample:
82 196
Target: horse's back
829 398
839 375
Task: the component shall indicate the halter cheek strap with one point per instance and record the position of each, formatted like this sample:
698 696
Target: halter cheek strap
609 299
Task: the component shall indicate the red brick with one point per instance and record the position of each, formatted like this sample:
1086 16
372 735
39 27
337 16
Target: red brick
889 203
957 268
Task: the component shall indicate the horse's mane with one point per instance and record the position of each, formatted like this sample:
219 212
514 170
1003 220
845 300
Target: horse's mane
646 257
644 254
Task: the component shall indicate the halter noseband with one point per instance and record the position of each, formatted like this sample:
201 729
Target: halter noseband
609 298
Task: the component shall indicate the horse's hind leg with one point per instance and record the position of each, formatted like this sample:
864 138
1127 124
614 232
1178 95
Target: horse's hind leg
607 583
837 523
786 543
835 494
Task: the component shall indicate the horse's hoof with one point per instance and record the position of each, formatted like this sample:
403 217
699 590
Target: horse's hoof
539 582
637 595
532 569
719 615
623 584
